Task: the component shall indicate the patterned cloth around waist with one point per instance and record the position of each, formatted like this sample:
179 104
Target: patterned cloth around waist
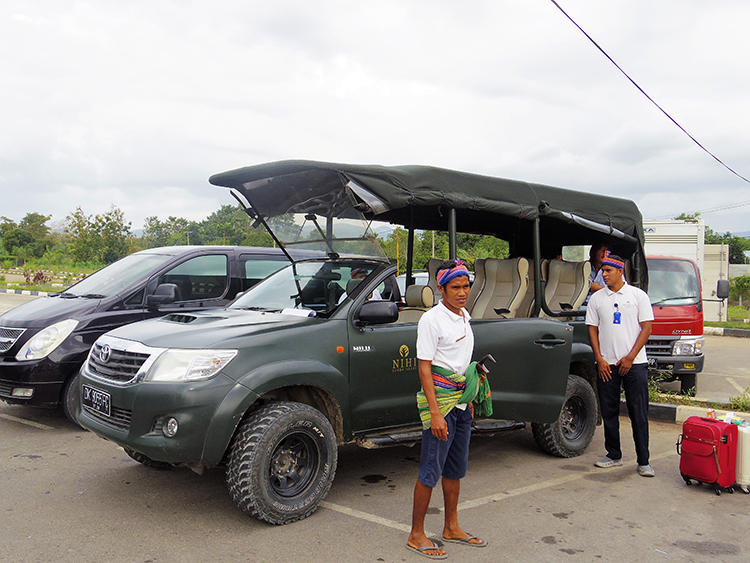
454 388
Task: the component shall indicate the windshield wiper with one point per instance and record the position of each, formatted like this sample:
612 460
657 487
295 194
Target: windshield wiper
674 299
64 295
255 308
92 296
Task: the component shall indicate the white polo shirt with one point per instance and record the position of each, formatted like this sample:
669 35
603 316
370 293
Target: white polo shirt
617 340
446 339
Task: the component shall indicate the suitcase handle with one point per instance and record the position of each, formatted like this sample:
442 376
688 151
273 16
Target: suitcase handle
678 445
716 457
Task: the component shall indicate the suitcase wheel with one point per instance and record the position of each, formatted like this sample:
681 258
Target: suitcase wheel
717 490
745 490
730 490
687 479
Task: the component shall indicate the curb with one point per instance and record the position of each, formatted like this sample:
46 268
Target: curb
28 292
678 413
718 331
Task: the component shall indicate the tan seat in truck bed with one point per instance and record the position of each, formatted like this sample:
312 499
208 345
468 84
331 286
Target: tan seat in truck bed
505 284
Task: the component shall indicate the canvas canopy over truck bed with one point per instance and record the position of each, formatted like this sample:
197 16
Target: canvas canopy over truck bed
425 197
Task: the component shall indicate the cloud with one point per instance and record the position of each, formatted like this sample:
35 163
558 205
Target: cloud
136 104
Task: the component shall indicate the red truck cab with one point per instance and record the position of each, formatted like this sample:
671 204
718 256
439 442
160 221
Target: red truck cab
675 348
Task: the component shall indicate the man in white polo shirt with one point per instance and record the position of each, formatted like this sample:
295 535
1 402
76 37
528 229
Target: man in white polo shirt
619 319
450 382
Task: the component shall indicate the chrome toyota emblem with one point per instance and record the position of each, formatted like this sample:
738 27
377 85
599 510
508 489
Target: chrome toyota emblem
104 352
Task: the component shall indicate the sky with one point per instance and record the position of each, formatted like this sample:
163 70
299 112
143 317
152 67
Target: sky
136 104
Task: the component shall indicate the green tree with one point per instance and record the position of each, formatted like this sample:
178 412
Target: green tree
113 233
81 237
739 288
35 224
98 238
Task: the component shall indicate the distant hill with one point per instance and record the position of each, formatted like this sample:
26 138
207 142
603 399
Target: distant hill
743 234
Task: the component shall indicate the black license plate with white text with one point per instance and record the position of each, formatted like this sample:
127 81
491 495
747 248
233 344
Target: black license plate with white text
96 400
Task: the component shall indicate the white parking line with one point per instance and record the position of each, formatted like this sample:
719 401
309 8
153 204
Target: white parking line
367 516
38 425
543 485
734 384
476 502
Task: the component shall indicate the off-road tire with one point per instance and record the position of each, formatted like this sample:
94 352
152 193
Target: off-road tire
147 461
71 399
282 462
687 383
571 433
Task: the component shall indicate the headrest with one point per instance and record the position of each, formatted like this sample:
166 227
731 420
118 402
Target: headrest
419 296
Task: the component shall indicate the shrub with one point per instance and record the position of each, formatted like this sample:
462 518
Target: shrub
741 402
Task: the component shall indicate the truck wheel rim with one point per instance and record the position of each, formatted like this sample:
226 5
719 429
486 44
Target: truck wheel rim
572 418
293 464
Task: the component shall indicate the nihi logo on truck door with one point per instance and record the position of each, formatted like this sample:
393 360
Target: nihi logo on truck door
404 362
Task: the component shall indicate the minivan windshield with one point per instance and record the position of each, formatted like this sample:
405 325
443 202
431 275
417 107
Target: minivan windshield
116 277
317 285
672 282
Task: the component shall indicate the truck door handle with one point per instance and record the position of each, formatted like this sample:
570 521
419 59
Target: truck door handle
549 342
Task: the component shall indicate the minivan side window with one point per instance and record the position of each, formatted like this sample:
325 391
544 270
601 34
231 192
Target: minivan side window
257 269
202 277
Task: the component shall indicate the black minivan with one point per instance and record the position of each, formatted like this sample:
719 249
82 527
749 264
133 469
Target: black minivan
44 342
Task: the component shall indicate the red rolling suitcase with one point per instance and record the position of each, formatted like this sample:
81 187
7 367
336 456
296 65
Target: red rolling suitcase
708 452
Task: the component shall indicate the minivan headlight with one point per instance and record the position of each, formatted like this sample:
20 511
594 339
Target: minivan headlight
46 340
189 365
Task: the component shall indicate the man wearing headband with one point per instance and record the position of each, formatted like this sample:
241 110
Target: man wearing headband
619 321
450 382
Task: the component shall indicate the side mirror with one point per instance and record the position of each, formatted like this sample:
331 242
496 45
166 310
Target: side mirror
722 289
165 293
378 313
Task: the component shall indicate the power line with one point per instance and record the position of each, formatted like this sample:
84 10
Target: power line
642 91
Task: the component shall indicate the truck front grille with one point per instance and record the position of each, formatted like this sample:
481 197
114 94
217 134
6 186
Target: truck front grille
9 336
119 418
120 366
659 346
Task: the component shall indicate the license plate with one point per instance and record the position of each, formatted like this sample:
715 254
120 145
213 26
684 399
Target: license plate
96 400
689 366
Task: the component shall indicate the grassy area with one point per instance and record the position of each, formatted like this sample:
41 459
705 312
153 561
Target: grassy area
737 312
48 288
729 324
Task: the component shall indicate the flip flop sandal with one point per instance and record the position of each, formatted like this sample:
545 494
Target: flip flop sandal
421 551
465 541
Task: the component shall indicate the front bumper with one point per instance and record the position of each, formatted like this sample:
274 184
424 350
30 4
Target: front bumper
45 377
140 410
676 364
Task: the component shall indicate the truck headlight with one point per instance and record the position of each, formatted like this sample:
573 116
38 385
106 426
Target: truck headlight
692 347
46 340
189 365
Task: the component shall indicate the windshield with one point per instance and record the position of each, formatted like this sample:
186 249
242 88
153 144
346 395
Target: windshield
672 282
112 279
318 286
304 212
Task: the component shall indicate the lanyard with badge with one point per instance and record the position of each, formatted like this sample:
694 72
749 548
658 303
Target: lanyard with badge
616 319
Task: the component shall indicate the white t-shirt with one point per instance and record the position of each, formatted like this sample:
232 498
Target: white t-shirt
617 340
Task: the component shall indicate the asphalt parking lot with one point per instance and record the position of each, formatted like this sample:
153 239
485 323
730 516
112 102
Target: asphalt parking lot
71 496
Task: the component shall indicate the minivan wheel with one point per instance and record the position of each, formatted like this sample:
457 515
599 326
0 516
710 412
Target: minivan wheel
282 462
571 433
71 399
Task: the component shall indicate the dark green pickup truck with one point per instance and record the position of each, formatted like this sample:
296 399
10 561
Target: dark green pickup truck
323 351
